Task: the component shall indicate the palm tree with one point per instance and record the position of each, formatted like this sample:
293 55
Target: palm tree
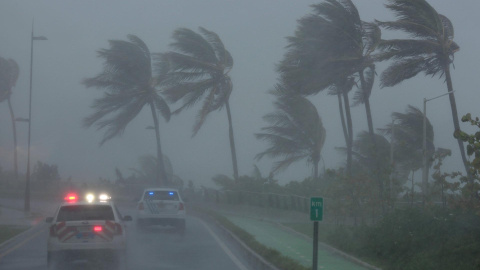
429 50
9 72
407 128
332 47
199 68
296 131
129 86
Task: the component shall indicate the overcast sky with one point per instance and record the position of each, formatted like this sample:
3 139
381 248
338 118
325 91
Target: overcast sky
253 31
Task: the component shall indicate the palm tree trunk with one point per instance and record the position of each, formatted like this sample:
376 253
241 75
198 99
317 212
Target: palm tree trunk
315 169
368 112
350 134
232 141
15 159
160 168
412 188
342 118
367 106
456 123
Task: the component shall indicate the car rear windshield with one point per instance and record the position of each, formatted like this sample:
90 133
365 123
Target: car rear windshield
85 212
164 195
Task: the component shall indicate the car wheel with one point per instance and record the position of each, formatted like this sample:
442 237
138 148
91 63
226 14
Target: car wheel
181 226
53 261
120 262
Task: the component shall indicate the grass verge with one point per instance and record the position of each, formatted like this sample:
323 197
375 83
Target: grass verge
9 231
269 254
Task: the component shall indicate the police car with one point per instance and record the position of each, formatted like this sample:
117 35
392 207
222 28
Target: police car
161 206
91 229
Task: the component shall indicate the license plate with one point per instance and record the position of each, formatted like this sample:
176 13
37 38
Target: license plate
85 235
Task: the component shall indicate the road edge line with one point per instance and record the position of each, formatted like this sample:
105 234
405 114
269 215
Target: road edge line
224 247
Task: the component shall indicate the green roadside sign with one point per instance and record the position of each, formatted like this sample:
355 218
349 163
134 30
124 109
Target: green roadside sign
316 208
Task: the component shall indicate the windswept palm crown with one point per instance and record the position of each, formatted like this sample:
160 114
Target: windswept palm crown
408 137
430 49
197 71
129 86
330 44
296 131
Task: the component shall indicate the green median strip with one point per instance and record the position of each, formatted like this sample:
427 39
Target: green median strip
268 253
294 247
9 231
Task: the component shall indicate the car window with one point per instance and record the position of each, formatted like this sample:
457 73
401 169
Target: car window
85 212
163 195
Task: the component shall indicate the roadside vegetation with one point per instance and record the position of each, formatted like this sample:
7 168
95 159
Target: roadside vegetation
9 231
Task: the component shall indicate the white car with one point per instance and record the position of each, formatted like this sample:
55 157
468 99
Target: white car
161 206
90 230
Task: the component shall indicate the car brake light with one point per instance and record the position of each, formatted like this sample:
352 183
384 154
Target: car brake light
118 229
140 206
52 231
181 207
97 228
71 197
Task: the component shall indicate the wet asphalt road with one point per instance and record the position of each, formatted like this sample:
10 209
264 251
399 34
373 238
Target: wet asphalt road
201 247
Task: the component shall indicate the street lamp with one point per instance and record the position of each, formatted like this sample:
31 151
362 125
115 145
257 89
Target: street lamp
27 182
424 144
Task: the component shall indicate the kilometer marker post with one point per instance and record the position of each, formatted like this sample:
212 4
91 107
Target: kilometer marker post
316 215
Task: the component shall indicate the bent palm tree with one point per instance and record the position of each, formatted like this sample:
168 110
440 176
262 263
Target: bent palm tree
296 131
407 140
333 46
199 69
9 72
129 86
430 50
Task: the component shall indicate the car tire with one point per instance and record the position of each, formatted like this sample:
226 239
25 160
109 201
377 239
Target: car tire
181 226
120 262
53 261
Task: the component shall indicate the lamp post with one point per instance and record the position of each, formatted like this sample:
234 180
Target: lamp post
424 144
27 182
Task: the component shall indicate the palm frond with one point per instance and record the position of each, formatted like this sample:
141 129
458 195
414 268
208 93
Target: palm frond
415 17
190 43
401 70
222 54
162 106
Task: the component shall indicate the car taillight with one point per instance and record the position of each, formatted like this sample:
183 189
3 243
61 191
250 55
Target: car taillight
181 207
97 228
140 206
118 229
52 231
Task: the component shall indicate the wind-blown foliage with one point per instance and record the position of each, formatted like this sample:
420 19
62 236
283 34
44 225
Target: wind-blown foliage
331 48
430 49
129 86
408 138
296 131
407 142
9 72
198 71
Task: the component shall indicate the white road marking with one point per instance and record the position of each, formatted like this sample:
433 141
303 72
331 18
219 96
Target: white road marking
230 254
